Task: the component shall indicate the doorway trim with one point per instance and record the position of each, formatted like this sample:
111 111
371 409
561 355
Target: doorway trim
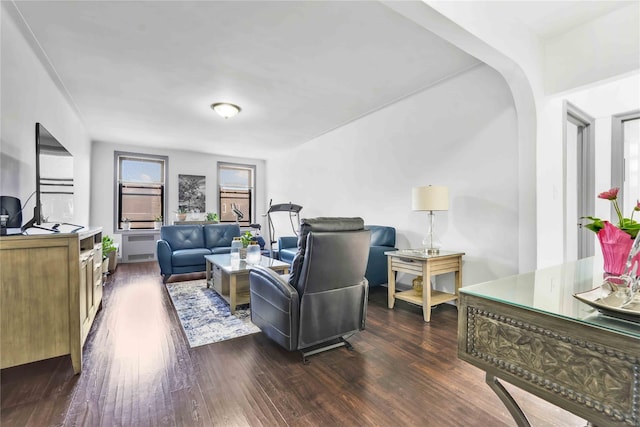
586 197
617 154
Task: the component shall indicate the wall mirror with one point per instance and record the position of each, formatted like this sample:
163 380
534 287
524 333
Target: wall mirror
54 177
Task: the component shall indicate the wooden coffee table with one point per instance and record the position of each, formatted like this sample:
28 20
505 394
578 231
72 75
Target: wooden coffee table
231 282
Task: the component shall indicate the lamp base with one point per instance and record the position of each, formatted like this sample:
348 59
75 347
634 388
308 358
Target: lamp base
433 251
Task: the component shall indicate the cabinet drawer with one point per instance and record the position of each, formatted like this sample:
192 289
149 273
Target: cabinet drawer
406 265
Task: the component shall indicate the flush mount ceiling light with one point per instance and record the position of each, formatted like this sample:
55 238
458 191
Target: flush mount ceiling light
225 109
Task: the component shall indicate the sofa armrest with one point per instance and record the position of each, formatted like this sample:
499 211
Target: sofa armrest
287 242
164 252
377 266
274 306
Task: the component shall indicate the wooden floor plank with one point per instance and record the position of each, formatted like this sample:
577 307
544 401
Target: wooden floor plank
139 370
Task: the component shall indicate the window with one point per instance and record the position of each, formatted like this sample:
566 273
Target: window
236 193
140 189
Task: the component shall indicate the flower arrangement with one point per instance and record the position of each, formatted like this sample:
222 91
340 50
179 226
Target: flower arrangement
615 241
628 225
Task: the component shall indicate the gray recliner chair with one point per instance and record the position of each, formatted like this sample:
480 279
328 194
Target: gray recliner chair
324 298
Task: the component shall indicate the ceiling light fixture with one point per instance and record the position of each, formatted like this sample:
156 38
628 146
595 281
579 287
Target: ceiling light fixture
225 109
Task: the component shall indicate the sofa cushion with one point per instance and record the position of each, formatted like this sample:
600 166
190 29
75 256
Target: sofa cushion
185 257
221 250
220 235
183 236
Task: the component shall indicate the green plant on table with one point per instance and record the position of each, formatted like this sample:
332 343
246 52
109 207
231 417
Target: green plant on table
181 210
158 218
212 216
246 238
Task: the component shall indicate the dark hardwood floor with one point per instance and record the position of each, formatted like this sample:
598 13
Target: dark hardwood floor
139 371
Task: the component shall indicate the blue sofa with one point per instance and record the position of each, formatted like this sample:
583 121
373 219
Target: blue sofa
181 248
383 239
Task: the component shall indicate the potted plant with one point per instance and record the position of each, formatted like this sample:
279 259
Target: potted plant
157 223
246 238
212 217
108 248
126 225
181 214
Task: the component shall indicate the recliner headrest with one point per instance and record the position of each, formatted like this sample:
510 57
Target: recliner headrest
319 225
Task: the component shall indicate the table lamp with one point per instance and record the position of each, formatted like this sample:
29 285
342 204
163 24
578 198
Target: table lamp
430 198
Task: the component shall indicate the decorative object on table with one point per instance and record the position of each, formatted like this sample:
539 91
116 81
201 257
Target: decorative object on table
205 316
613 301
237 249
213 217
191 193
126 224
430 198
253 252
417 285
615 241
246 239
181 214
157 223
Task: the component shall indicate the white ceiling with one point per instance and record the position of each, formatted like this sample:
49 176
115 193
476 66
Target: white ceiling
145 73
551 18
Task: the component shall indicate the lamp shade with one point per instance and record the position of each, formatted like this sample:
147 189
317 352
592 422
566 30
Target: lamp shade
430 198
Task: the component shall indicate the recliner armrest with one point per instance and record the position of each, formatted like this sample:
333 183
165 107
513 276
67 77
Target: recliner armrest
275 306
267 278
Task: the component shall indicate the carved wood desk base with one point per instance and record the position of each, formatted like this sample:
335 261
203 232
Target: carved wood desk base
589 371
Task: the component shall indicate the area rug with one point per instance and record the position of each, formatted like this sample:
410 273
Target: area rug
205 316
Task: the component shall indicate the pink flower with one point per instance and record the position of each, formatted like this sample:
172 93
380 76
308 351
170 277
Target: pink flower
609 195
628 225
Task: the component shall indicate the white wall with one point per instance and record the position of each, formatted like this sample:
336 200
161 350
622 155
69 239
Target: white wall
461 133
180 163
600 49
514 52
29 95
600 101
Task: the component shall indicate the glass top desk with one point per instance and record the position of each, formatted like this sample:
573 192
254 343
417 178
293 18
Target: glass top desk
530 331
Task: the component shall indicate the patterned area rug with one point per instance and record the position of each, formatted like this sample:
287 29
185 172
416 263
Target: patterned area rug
205 316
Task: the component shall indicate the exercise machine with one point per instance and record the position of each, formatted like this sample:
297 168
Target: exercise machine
294 212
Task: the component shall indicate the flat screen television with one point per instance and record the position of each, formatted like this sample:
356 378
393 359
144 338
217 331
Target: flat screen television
54 181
